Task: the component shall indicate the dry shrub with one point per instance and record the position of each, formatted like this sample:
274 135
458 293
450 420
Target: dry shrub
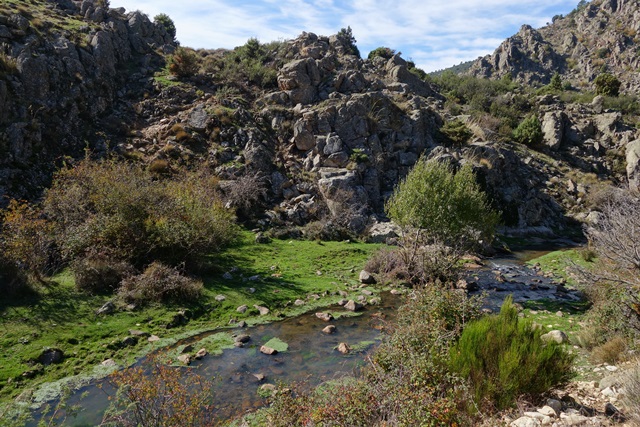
100 272
184 62
159 166
609 352
245 193
631 385
158 395
124 210
416 264
159 283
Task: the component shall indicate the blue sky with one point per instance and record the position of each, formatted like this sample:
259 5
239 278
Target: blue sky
433 33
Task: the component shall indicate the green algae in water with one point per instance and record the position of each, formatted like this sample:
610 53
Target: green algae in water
277 344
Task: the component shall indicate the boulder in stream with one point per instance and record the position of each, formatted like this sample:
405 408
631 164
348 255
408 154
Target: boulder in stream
268 350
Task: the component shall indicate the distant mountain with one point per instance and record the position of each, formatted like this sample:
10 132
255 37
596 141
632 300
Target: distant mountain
596 37
461 68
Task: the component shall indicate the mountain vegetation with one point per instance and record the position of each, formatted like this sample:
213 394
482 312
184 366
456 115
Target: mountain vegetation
132 169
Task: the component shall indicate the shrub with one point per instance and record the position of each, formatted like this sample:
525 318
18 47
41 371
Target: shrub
607 84
124 210
529 131
503 357
613 285
100 273
445 206
631 385
167 23
159 283
456 132
610 351
556 82
158 395
382 52
184 62
26 239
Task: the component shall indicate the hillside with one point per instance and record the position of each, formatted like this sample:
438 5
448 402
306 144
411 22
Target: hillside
596 37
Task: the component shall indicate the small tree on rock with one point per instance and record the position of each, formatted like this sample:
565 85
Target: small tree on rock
165 21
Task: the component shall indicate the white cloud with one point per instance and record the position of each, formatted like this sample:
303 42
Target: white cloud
434 33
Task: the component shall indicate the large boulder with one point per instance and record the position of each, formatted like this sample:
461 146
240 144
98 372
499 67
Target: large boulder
633 164
300 79
553 125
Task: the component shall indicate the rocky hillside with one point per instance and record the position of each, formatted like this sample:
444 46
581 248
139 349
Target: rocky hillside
320 134
64 68
600 36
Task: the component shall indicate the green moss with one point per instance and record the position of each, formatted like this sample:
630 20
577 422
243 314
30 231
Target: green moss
563 263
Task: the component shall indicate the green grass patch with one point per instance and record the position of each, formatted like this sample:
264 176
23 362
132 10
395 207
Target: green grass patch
272 275
563 263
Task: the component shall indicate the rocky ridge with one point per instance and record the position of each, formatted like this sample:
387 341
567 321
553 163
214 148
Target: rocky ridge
330 144
596 37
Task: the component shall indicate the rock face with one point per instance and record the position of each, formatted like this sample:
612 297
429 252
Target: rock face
591 38
63 86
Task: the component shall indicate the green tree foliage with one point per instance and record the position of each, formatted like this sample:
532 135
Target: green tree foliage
184 62
345 35
529 131
165 21
504 357
448 207
556 82
607 84
382 52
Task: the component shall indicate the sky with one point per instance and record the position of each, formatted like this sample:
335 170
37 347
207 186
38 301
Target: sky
435 34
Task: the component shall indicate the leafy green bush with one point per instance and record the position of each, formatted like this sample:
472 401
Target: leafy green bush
446 206
167 23
456 132
529 131
607 84
159 283
252 61
504 357
184 62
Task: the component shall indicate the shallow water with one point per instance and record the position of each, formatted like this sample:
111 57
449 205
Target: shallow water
310 360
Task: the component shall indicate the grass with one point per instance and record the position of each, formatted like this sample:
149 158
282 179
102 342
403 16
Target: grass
563 263
272 275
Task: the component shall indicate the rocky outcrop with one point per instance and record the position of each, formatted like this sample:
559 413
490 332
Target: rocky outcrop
599 35
58 96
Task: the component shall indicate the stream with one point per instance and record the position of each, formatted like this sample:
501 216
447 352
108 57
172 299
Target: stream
312 357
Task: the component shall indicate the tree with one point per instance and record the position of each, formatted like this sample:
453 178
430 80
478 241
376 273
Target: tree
444 206
607 84
345 35
556 82
165 21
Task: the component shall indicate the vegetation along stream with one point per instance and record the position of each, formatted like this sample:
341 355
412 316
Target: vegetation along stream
242 375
